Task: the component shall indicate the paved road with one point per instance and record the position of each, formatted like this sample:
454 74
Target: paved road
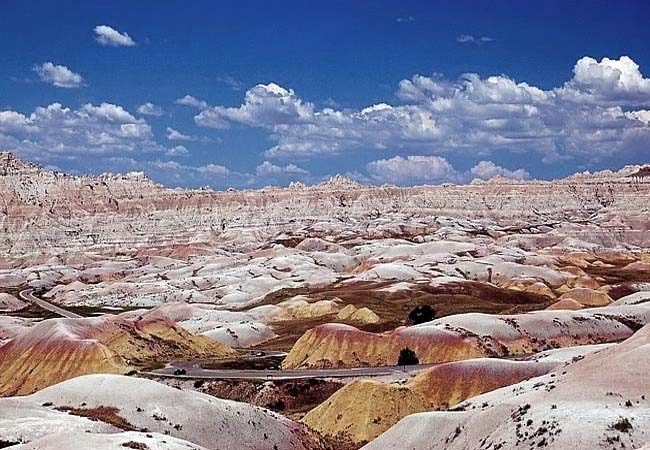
28 295
194 370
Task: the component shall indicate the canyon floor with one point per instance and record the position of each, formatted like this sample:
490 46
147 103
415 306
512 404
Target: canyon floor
136 316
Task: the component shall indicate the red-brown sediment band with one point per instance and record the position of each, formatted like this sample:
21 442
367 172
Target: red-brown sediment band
58 349
465 336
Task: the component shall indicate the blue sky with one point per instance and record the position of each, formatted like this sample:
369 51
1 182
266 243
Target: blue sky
398 92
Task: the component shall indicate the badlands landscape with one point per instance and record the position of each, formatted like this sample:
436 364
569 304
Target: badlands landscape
499 314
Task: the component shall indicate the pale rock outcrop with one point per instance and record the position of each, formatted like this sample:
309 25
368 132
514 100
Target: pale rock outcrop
633 299
566 303
144 404
234 329
9 303
108 441
587 297
11 326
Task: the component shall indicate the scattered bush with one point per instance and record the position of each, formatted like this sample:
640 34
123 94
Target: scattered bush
421 314
623 425
277 405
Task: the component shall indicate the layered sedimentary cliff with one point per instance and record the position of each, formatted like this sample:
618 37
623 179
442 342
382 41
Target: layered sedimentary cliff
599 401
364 409
466 336
42 210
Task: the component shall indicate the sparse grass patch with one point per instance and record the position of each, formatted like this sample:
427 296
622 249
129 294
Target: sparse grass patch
136 445
106 414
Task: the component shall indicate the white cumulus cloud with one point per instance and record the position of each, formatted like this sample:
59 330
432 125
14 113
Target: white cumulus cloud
178 150
194 102
642 115
175 135
264 105
267 168
412 169
487 170
149 109
609 81
106 35
55 130
58 75
587 118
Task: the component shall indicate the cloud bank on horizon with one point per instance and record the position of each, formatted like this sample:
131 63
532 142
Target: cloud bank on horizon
603 109
591 115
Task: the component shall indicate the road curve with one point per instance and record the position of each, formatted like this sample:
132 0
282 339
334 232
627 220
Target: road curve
28 295
193 370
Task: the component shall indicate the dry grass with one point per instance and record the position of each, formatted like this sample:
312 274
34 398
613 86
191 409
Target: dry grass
342 442
289 397
106 414
394 308
136 445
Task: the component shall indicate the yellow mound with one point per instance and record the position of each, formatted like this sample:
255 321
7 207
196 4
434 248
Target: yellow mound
588 297
364 409
346 312
540 288
339 345
566 303
362 315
